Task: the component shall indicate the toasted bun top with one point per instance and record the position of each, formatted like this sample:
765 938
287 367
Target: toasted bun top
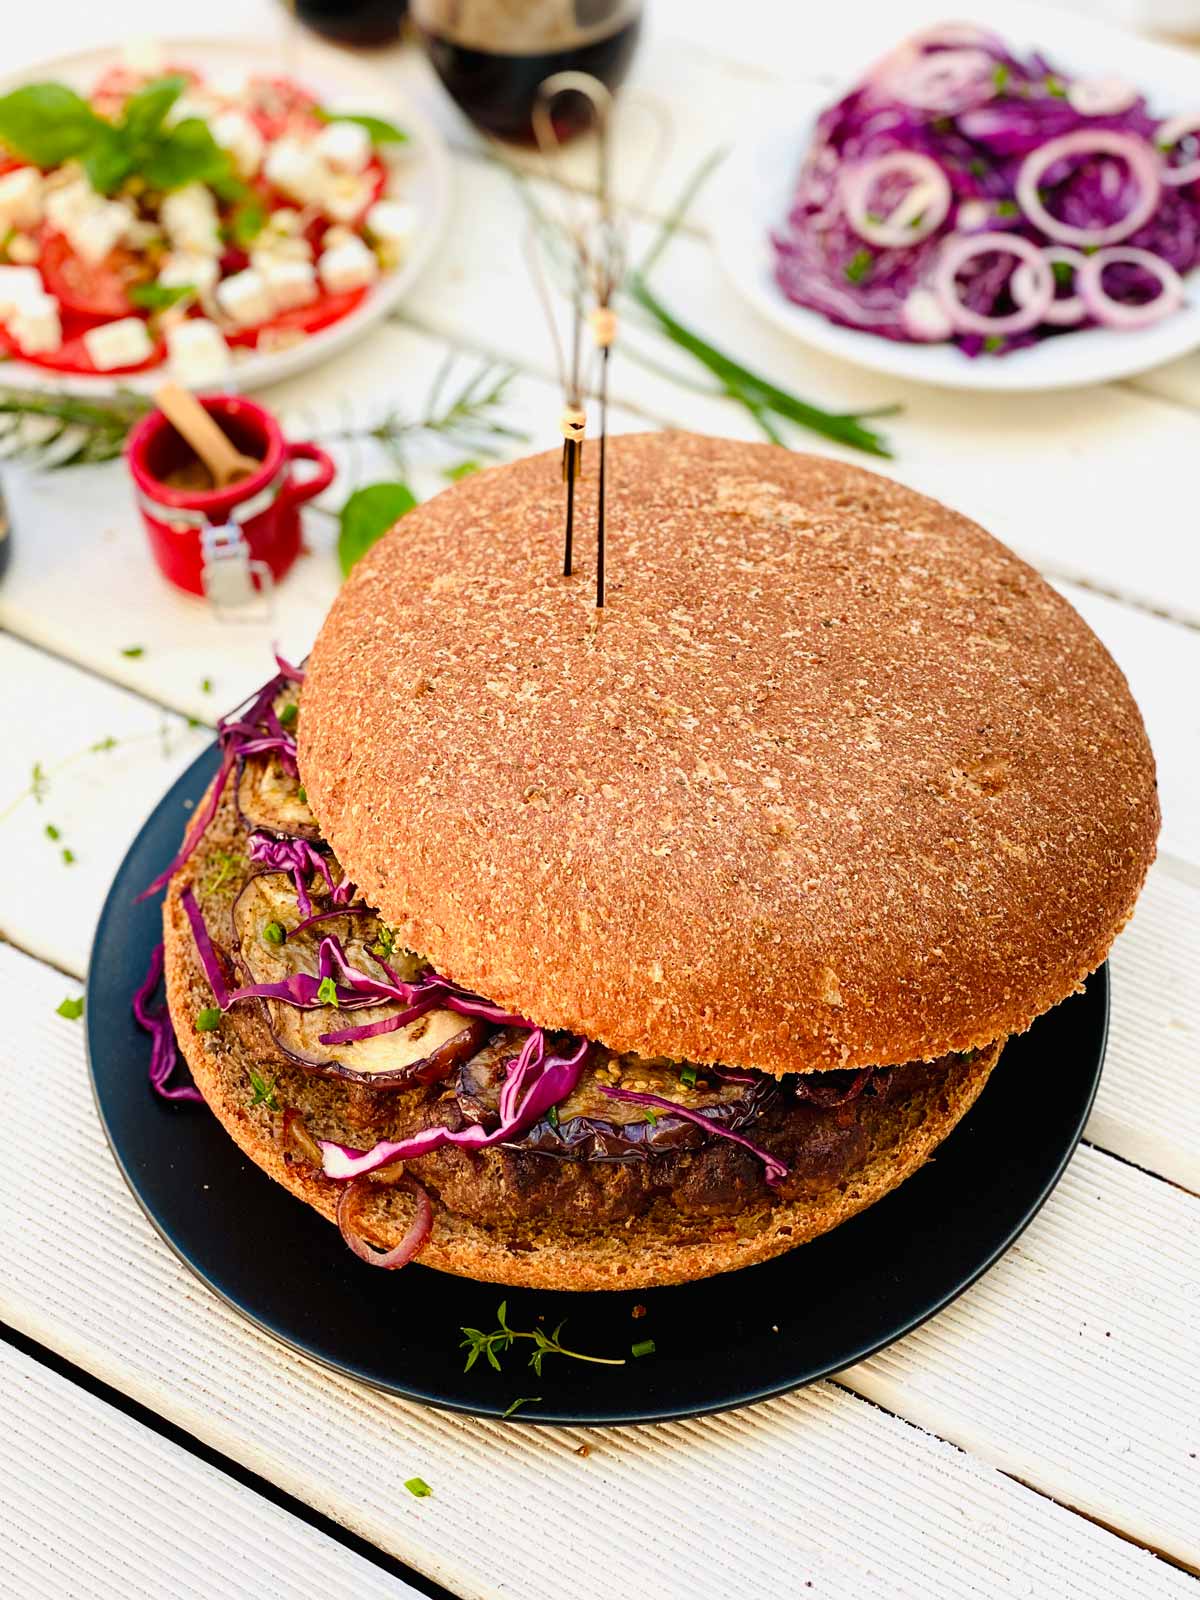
835 779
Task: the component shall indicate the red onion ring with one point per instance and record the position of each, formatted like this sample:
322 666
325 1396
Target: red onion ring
1101 97
350 1202
1143 164
921 211
924 317
1112 313
1064 313
946 82
1169 134
956 252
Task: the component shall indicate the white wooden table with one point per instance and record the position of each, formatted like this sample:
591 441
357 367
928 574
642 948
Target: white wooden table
1040 1438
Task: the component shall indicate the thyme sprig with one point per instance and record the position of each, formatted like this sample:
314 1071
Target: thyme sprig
492 1345
52 429
469 419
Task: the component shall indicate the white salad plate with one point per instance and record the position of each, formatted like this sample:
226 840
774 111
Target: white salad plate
751 194
422 180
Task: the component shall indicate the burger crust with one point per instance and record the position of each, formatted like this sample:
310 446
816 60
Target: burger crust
836 780
661 1247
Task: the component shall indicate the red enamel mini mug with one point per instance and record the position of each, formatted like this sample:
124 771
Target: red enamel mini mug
265 506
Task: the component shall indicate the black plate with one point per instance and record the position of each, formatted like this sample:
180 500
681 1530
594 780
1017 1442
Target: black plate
720 1343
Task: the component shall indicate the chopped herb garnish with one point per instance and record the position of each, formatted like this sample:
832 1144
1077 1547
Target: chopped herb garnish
71 1009
651 1117
1063 272
461 469
302 795
264 1092
688 1076
976 167
223 866
385 942
133 651
207 1019
381 132
490 1345
108 743
327 993
522 1400
552 1116
52 832
159 296
206 685
68 857
644 1347
1000 76
39 782
418 1487
274 933
1006 208
1056 87
858 265
289 714
993 342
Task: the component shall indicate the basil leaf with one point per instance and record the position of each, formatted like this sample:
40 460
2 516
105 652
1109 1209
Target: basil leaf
367 516
159 296
109 161
47 123
381 132
248 220
145 110
187 153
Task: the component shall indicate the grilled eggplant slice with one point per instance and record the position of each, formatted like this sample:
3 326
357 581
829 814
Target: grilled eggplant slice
268 798
588 1126
423 1051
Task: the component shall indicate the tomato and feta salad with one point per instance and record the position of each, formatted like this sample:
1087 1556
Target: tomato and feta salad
169 219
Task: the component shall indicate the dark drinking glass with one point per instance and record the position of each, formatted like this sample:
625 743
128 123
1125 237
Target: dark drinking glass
492 54
353 21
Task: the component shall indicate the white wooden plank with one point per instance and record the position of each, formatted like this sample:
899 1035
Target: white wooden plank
812 1487
93 1506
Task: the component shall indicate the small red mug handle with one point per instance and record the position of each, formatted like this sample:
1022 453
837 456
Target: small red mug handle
299 493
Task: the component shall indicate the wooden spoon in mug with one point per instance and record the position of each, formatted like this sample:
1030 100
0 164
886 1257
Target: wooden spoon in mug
225 462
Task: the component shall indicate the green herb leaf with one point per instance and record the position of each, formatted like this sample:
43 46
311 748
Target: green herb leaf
264 1092
289 714
145 109
327 993
381 131
247 220
274 933
522 1400
418 1487
108 743
1064 273
109 160
461 469
1000 76
644 1347
206 686
1006 208
993 342
52 832
651 1116
39 782
858 265
207 1019
159 296
688 1076
552 1116
72 1010
367 516
132 651
48 123
187 153
1056 87
302 795
68 857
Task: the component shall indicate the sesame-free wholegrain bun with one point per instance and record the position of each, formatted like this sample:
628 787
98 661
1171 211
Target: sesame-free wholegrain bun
835 779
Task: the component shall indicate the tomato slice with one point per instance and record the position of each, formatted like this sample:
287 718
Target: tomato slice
324 311
72 357
278 106
97 292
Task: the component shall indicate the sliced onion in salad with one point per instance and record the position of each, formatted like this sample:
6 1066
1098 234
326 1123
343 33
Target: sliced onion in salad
1065 311
946 81
920 211
1144 167
1101 97
1127 314
1168 136
957 252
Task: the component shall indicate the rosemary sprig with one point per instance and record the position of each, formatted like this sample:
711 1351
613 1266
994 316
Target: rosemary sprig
469 420
491 1345
51 429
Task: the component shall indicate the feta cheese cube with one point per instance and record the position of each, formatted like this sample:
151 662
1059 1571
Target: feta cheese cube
289 282
245 298
182 268
392 222
346 198
21 199
235 133
17 286
35 325
284 222
23 249
197 352
118 344
97 231
65 203
345 146
189 216
297 169
348 266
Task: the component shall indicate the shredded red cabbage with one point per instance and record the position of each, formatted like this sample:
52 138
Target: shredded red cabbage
163 1049
773 1169
301 859
979 112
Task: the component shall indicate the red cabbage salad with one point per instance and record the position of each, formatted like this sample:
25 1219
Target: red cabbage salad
961 193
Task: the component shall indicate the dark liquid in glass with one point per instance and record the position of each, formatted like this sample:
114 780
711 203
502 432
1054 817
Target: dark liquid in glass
497 91
353 21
